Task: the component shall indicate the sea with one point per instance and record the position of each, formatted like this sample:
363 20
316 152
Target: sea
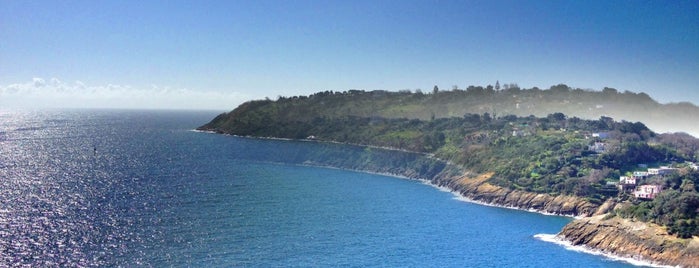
127 188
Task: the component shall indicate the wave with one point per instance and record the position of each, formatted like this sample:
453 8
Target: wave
636 261
203 131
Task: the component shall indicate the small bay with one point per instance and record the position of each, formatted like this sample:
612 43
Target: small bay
140 188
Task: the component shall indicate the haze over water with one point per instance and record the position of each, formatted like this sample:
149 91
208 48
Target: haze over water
137 188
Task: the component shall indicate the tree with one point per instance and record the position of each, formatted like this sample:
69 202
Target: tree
497 85
557 116
560 88
435 90
489 89
609 91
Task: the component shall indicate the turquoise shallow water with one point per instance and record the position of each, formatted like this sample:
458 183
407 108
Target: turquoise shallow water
139 188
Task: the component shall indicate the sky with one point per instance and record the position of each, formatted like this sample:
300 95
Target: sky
218 54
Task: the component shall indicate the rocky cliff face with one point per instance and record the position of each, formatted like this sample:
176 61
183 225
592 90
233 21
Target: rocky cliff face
627 238
477 188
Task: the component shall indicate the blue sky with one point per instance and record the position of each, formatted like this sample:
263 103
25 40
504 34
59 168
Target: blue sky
217 54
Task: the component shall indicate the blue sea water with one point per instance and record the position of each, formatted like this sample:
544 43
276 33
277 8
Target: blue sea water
140 188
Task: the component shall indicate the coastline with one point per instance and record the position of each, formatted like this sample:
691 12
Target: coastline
476 189
659 253
630 239
555 239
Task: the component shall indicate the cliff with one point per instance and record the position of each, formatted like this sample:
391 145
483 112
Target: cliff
468 183
478 189
632 239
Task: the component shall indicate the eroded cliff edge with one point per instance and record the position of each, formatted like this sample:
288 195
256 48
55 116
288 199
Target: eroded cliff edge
627 238
470 185
478 188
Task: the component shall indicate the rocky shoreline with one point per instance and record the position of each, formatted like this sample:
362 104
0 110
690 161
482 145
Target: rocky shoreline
589 230
594 229
478 189
632 239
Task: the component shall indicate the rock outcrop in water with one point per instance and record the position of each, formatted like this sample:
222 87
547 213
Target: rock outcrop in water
626 238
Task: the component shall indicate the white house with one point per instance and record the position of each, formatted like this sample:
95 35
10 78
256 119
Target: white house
627 180
664 170
647 191
601 135
626 183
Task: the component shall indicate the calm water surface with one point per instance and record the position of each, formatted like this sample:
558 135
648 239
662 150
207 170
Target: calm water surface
139 188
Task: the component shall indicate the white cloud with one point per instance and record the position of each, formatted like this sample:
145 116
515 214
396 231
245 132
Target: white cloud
38 82
38 93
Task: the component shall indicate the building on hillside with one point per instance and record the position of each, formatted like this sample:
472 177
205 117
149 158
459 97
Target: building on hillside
627 180
601 135
598 147
661 171
627 183
647 191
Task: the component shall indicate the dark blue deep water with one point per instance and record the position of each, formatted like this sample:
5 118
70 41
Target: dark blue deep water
139 188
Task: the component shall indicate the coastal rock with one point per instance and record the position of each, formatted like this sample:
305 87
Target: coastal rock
479 189
626 238
607 207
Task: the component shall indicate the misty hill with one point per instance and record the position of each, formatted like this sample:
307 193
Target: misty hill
584 104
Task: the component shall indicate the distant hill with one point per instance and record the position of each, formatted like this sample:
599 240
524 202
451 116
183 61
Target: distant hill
584 104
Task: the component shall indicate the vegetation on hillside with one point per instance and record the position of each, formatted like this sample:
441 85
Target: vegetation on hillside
676 207
509 100
554 154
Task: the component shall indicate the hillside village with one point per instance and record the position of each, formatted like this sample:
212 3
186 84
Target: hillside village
642 183
635 182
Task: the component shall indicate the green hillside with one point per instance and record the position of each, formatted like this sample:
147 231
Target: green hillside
479 130
585 104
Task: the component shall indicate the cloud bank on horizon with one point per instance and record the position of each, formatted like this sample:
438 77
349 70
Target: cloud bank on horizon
54 93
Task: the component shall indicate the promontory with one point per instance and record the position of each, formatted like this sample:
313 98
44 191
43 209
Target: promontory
599 155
